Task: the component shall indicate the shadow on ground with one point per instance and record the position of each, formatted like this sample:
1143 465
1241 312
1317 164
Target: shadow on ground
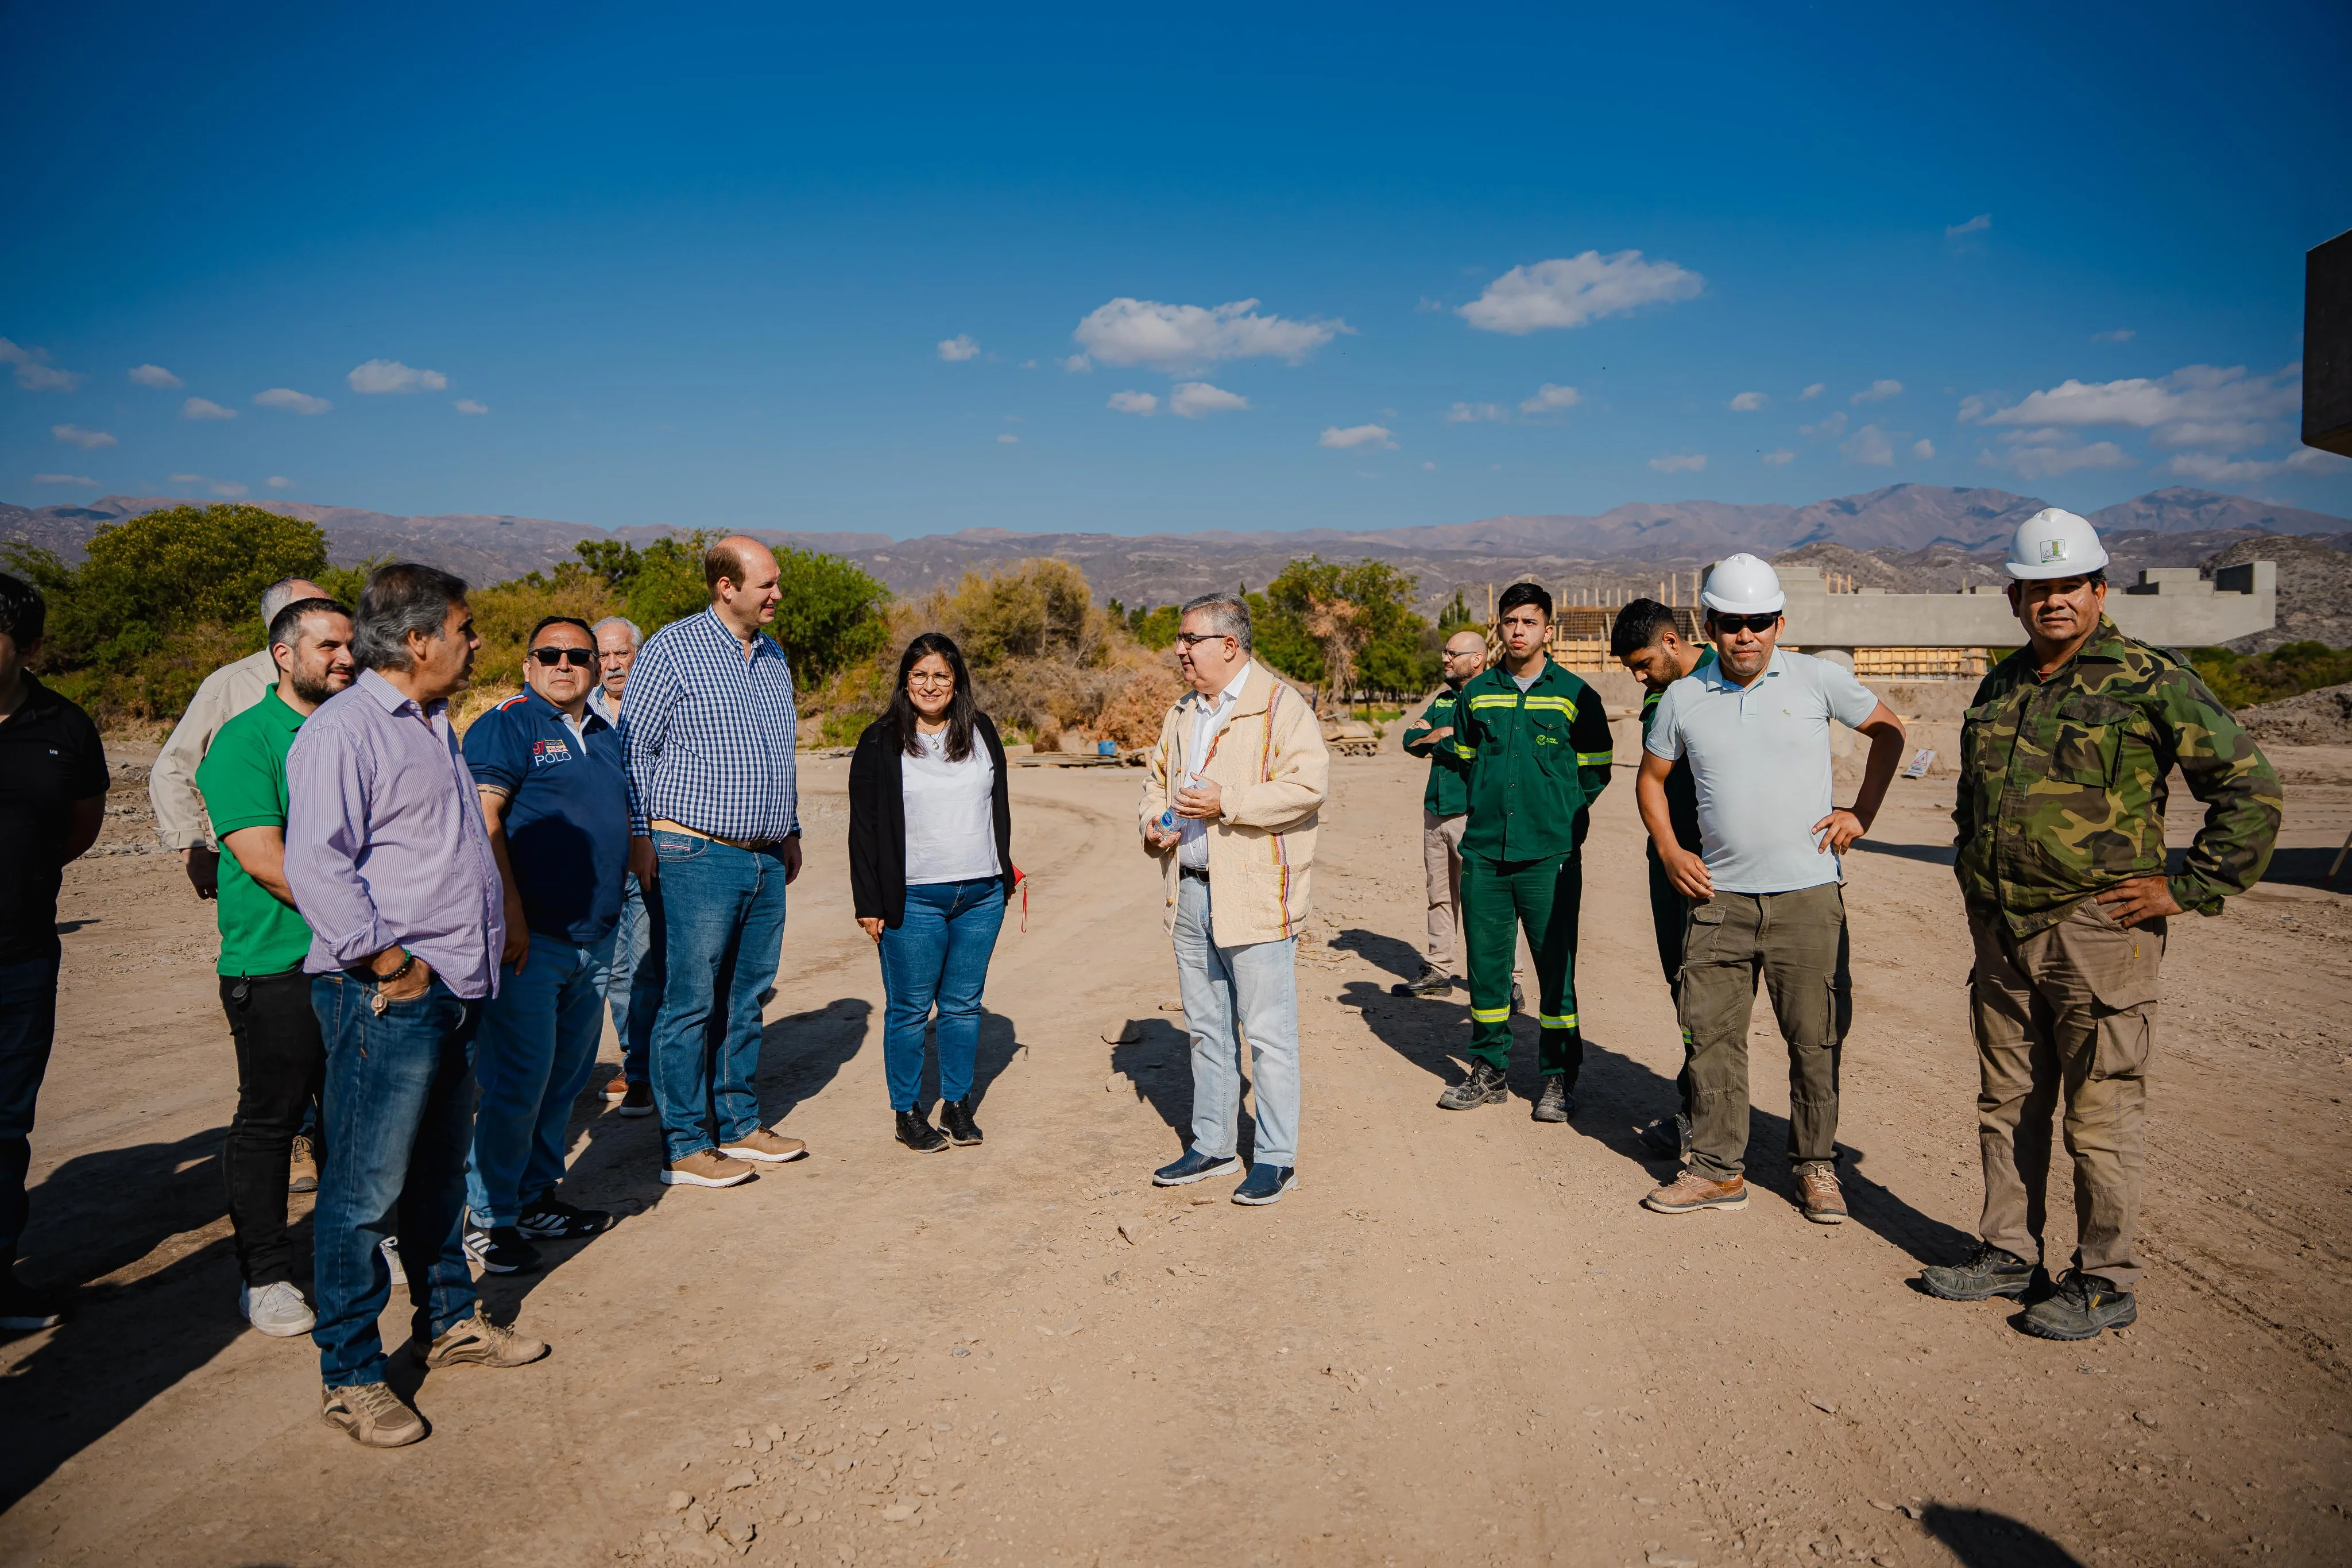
1981 1539
1399 958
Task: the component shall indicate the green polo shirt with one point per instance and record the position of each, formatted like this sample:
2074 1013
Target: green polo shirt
1448 794
1537 760
243 782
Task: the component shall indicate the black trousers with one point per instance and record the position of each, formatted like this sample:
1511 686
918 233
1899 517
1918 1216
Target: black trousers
281 1066
1669 916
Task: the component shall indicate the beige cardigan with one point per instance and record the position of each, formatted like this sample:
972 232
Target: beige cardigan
1273 774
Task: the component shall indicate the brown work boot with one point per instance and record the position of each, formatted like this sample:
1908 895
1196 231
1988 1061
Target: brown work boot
372 1415
482 1343
1817 1190
302 1167
1690 1192
617 1087
768 1148
705 1167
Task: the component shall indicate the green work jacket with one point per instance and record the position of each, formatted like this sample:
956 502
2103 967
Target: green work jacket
1448 794
1537 760
2064 780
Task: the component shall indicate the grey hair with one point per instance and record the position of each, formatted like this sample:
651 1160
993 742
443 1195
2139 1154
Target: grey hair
277 597
399 599
636 638
1228 616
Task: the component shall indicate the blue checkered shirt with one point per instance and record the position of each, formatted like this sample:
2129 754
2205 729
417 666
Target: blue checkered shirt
709 734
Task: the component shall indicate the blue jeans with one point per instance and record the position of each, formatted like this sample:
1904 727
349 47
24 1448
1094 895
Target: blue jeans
399 1114
28 1024
938 952
719 920
531 1057
631 983
1230 995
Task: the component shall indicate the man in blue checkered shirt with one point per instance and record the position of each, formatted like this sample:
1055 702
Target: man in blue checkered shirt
714 837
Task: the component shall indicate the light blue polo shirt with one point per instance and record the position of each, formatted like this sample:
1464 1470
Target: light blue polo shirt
1760 757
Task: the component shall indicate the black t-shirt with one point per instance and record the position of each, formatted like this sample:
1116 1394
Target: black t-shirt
49 759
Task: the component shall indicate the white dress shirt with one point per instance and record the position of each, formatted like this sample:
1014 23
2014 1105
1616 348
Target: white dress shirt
1208 719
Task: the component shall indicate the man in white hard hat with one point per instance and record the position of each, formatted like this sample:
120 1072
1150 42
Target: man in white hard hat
2064 758
1767 892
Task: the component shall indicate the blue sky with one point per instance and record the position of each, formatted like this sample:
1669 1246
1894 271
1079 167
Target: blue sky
803 269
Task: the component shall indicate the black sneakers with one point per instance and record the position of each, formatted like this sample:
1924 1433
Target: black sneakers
1430 982
918 1134
2081 1306
23 1309
552 1220
955 1119
1485 1086
501 1249
1989 1272
1556 1104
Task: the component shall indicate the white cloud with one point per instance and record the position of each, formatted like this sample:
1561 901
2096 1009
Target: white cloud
1076 364
154 376
2048 453
1877 392
1780 458
1813 391
2119 335
1008 439
1976 224
1833 426
1568 291
1923 449
1551 399
2229 434
1679 463
189 479
278 482
64 479
1975 407
960 347
1028 364
1177 337
228 487
34 371
468 405
2197 406
1869 447
391 376
1428 306
291 401
1141 402
1428 467
1747 402
1473 412
1198 400
1356 435
204 408
88 440
2214 469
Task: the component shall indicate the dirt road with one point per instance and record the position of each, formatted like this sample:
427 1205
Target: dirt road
1460 1341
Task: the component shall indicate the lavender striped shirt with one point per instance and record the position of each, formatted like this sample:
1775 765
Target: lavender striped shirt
384 842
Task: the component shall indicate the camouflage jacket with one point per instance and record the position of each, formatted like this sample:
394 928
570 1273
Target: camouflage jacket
2064 782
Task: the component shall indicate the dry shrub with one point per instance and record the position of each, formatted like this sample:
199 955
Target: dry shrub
1133 718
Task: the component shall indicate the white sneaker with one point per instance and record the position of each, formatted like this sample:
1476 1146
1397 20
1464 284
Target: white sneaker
279 1311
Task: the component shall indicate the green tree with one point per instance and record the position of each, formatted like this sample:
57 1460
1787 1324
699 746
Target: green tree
830 616
1357 620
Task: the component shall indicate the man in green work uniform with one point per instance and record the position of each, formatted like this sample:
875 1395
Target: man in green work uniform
2064 760
282 1061
1647 640
1445 806
1538 744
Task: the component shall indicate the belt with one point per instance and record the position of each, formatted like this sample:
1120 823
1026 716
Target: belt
1198 874
666 826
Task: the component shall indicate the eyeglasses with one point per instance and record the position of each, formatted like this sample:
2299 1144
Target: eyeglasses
926 678
1728 624
1195 639
578 658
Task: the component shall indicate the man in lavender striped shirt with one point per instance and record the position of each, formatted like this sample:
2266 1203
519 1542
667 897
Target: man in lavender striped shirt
391 865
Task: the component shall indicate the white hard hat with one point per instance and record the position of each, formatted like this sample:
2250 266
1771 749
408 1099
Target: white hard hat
2055 542
1743 585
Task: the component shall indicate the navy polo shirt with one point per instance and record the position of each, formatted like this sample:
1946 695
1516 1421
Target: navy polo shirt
567 817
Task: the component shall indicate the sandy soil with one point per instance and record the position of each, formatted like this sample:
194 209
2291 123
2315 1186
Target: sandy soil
1460 1341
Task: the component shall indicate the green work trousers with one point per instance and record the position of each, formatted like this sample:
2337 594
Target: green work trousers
1499 897
1669 920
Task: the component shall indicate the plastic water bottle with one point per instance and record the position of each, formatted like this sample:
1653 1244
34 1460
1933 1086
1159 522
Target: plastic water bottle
1168 820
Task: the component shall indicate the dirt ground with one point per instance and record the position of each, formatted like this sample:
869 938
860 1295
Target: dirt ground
1460 1341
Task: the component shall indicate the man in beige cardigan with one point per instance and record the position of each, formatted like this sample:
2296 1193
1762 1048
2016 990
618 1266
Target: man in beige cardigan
1236 780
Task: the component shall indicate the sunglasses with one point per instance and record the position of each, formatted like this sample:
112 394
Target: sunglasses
579 658
1727 624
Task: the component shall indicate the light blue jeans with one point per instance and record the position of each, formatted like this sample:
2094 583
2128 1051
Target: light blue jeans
532 1056
1231 995
938 952
719 922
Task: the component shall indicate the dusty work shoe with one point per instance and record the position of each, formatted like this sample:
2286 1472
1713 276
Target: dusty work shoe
1485 1086
1430 982
637 1100
302 1166
1989 1272
1195 1166
1555 1104
552 1220
705 1167
1267 1184
500 1250
277 1309
918 1134
955 1120
2079 1307
372 1415
477 1341
1819 1195
766 1146
1690 1192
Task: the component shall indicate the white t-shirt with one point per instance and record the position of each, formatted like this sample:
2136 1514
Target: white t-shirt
1760 757
1208 717
950 825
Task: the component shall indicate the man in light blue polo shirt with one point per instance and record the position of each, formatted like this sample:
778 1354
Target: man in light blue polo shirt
1768 891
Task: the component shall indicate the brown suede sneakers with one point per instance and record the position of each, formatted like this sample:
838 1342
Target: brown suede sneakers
1818 1191
1690 1192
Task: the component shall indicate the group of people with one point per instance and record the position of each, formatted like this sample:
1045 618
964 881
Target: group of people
420 936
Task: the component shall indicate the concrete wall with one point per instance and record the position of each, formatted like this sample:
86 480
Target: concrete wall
2171 607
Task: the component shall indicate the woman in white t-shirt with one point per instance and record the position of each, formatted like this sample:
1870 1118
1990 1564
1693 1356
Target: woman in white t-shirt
930 868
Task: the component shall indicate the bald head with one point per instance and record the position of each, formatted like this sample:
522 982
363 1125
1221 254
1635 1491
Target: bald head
743 578
1466 655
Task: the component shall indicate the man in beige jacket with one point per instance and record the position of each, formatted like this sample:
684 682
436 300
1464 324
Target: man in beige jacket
1236 780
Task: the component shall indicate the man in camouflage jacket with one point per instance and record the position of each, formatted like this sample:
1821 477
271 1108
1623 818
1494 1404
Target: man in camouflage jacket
2065 760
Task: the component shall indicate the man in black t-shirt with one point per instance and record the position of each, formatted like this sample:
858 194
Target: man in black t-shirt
52 799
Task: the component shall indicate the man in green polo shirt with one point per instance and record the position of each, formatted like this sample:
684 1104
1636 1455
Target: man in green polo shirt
1537 741
1443 808
281 1062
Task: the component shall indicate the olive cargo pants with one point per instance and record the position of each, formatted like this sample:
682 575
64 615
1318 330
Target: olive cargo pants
1498 898
2066 1013
1797 943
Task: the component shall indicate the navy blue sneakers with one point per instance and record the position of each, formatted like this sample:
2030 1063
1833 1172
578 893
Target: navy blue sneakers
1195 1166
1267 1184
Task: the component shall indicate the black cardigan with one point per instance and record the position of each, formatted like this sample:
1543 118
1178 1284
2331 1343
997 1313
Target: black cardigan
877 819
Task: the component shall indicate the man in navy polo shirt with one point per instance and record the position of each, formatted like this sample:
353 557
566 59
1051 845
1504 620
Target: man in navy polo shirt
555 797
